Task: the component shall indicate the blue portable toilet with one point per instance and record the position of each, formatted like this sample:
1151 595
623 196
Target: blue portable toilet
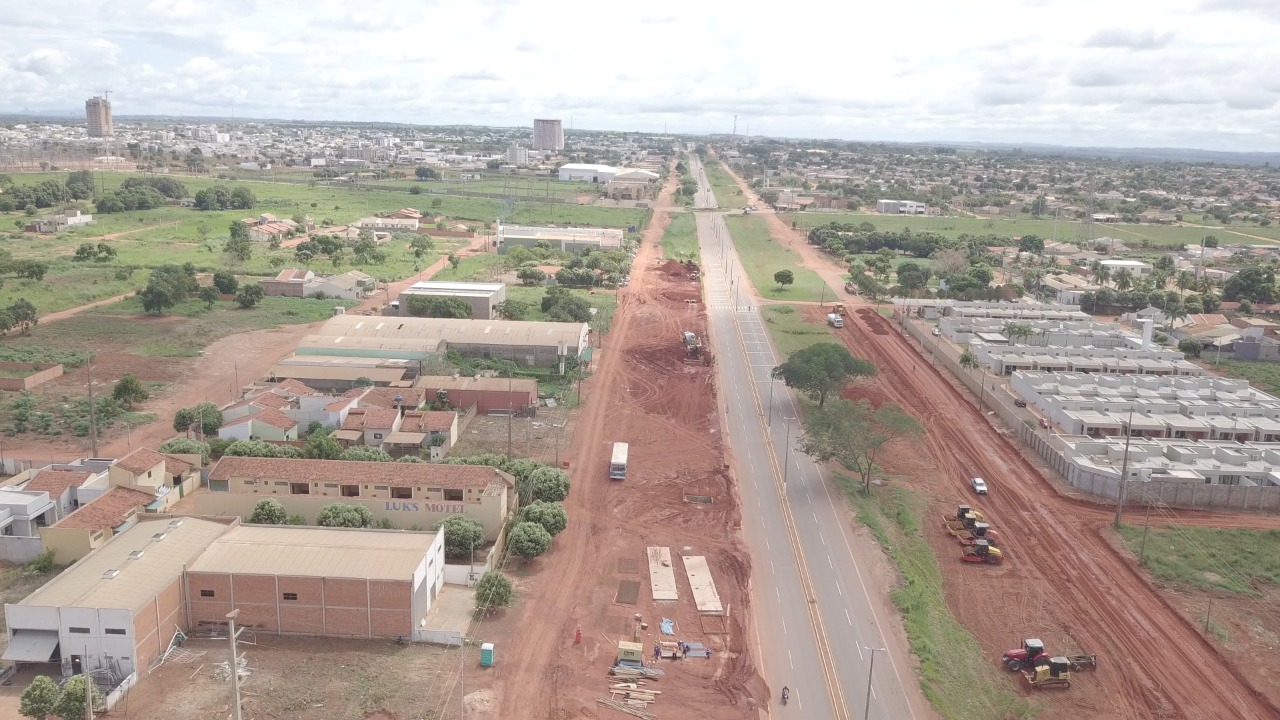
631 228
486 655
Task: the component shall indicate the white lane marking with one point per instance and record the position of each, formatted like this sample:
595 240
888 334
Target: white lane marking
859 646
838 590
847 617
829 563
873 691
815 518
791 659
822 537
766 539
772 569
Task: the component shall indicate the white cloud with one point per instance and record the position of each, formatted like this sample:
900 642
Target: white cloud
1019 71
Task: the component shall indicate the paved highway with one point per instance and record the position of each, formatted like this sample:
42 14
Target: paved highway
816 620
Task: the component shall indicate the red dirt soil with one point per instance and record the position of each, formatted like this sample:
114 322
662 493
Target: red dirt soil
643 393
1062 580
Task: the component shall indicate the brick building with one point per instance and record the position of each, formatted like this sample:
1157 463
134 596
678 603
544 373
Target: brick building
333 582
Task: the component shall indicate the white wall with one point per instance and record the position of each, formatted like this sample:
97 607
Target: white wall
96 645
428 578
236 432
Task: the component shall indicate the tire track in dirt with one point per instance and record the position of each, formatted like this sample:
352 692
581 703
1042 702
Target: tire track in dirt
1154 664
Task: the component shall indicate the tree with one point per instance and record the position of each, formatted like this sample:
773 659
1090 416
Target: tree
362 381
344 515
1017 331
187 446
462 534
70 705
1255 283
129 391
1033 244
950 262
1246 307
249 295
1191 347
426 173
209 416
260 448
784 278
821 369
40 698
168 286
439 307
551 516
1100 272
421 245
80 184
23 315
209 295
225 282
571 309
854 433
268 512
968 360
183 419
242 199
982 274
493 591
322 447
912 277
513 309
454 261
545 483
528 540
1123 279
531 276
364 453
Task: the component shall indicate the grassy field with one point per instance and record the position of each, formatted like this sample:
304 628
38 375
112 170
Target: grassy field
1209 558
1263 375
955 685
180 235
762 257
680 239
1166 235
727 192
790 331
603 300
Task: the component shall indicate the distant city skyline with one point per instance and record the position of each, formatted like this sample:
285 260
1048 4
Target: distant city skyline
1184 73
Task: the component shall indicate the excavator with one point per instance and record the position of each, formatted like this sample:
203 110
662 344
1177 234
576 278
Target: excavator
692 344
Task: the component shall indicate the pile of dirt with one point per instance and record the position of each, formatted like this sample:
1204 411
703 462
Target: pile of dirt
674 268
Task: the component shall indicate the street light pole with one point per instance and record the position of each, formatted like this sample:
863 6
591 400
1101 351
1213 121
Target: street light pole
1124 470
235 662
786 457
771 379
866 710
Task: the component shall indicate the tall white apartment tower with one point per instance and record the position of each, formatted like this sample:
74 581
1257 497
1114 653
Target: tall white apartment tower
97 110
548 135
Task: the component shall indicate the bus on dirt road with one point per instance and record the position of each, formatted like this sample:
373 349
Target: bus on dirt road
618 465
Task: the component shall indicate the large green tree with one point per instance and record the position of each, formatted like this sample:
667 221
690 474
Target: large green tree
528 540
462 534
40 698
345 515
551 516
494 591
129 390
268 511
439 307
70 705
821 369
854 433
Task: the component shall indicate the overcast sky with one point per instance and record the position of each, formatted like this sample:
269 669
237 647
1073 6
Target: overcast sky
1182 73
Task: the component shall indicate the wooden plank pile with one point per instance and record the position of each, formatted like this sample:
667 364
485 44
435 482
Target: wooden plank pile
635 672
632 698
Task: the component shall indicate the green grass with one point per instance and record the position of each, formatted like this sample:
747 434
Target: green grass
12 351
680 239
180 235
1132 235
1234 560
727 192
791 331
483 267
762 256
1263 375
602 300
955 680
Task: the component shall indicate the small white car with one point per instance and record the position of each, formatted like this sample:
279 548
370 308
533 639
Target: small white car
979 485
936 332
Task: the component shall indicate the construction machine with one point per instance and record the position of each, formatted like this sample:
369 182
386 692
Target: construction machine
961 520
1054 673
982 552
977 531
692 344
1032 653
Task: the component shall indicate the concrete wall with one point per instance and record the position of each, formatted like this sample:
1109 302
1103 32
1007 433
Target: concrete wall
19 549
404 513
330 607
71 544
40 373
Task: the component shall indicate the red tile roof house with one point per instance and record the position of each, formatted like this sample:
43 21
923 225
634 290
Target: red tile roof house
407 494
167 478
268 424
94 524
421 429
61 486
368 426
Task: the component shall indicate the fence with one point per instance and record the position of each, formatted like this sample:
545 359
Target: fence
1174 493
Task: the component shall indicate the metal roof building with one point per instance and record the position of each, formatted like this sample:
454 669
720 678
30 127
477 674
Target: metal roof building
531 343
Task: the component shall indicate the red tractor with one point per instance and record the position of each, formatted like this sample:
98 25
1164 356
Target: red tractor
1029 655
982 552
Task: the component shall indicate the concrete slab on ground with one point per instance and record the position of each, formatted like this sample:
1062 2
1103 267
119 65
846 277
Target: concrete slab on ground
704 587
449 618
662 576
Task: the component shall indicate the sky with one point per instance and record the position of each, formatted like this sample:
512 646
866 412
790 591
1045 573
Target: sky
1118 73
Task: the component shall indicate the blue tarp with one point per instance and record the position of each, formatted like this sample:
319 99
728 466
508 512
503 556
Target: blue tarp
667 627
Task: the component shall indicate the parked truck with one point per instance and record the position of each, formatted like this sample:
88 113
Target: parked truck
835 321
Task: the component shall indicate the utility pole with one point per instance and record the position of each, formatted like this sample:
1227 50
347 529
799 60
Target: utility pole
1124 470
88 687
786 457
232 632
510 406
866 710
1146 524
93 416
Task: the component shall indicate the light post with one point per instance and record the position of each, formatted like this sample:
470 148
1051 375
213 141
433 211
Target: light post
235 662
1124 470
866 710
786 457
771 379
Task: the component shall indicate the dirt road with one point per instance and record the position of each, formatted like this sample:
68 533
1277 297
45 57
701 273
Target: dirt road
645 394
